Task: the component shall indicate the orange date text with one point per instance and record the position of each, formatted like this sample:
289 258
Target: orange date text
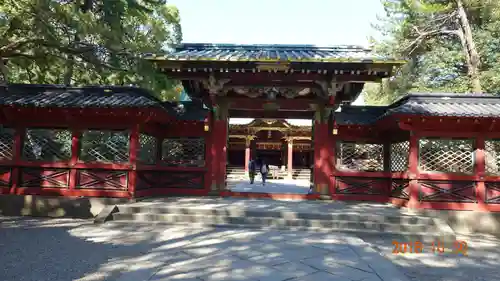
437 247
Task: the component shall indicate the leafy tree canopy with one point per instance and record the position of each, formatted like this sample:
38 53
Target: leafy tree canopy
82 42
450 45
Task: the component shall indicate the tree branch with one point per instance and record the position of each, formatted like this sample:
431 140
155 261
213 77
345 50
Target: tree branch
424 35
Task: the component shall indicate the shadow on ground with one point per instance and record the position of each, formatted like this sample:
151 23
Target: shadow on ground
63 249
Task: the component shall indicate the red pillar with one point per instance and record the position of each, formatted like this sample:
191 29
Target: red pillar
218 153
323 157
413 171
212 160
75 150
480 169
289 166
247 153
18 151
133 148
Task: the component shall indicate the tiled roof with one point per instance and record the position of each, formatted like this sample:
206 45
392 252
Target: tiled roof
95 97
359 115
428 104
62 96
273 53
443 104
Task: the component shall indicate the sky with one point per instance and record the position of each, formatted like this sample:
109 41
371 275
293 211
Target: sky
316 22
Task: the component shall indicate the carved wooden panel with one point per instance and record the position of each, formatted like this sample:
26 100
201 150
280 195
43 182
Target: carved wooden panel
102 179
492 192
400 188
362 186
170 179
447 191
44 178
5 180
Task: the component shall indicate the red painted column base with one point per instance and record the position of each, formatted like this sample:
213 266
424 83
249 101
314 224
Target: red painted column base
219 144
323 159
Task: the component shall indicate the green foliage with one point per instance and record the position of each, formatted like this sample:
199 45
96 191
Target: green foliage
436 60
82 42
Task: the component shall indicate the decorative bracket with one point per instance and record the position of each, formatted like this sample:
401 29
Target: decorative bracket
330 88
213 85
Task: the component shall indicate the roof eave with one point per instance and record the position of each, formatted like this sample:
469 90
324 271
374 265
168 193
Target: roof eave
165 59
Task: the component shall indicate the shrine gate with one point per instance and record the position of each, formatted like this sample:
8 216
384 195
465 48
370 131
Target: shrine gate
433 151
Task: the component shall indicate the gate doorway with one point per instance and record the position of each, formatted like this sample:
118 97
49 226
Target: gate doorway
283 144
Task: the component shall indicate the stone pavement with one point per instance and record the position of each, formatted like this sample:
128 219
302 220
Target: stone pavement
272 186
63 249
480 264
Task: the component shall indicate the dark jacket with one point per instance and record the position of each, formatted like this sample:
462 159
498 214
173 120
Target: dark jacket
251 166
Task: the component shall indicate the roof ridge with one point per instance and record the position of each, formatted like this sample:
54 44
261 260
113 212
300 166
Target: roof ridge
184 46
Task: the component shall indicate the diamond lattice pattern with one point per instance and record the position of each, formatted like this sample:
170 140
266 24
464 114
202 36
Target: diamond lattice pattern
105 146
360 156
446 155
148 146
184 151
51 145
492 156
399 156
6 143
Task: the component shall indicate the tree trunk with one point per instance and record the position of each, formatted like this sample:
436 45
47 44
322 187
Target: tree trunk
4 71
472 55
68 73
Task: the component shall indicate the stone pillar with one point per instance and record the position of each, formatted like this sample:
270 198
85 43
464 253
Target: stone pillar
323 153
290 158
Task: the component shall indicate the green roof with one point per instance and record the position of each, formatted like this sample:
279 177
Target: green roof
273 53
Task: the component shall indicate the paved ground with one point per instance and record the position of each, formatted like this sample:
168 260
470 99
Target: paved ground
272 186
41 249
62 250
481 263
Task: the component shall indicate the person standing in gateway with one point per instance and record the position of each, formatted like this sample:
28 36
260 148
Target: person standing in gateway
264 170
251 171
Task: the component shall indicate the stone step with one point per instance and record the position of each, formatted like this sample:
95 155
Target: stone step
411 232
239 212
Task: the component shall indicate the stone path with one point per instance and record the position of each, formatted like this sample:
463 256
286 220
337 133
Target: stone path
480 264
63 250
44 249
272 186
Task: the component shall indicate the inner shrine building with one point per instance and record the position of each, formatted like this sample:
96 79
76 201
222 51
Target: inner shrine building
290 104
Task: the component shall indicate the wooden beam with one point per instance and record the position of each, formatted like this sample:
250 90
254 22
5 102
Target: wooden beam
270 114
265 77
245 103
